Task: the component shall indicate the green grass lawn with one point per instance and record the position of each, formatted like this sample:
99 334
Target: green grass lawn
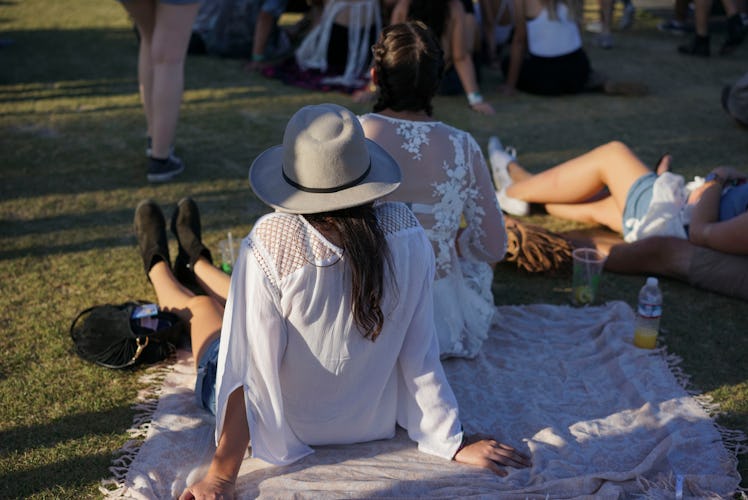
72 169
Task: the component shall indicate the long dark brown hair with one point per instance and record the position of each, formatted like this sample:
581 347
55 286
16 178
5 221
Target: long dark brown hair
409 64
366 252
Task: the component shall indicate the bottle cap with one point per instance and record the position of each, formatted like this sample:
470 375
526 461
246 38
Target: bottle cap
652 281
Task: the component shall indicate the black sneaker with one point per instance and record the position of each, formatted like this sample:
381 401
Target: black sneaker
150 230
164 170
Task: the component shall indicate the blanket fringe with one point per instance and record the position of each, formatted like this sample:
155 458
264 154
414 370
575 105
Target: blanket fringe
735 441
145 406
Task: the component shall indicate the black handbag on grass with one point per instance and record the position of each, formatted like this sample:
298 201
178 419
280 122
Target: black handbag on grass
125 335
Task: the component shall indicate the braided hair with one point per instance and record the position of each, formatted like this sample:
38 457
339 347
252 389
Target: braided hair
409 65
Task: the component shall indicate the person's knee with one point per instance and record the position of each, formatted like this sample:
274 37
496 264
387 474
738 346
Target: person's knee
166 52
616 148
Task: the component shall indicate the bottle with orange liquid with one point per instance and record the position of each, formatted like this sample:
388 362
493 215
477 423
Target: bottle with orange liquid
648 315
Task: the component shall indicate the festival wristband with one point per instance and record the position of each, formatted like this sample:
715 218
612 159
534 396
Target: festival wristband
474 98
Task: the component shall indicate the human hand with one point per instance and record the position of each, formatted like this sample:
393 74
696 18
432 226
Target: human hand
209 488
729 173
489 454
483 108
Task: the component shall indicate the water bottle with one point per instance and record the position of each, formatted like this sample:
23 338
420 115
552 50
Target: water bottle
648 315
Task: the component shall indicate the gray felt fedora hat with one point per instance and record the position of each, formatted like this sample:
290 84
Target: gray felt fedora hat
325 163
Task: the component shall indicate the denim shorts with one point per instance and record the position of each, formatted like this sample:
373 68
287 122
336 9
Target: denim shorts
205 385
638 199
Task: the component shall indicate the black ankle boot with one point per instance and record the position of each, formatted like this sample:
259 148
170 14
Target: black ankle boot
699 46
735 34
185 224
150 230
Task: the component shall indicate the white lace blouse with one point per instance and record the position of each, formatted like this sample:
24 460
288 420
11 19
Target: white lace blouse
309 376
446 181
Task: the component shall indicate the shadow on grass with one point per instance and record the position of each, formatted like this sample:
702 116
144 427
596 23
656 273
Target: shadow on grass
112 228
63 474
66 428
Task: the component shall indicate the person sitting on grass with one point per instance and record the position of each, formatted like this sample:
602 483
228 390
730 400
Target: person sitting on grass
445 181
332 291
699 235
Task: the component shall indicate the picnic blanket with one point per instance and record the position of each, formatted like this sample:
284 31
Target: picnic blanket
600 418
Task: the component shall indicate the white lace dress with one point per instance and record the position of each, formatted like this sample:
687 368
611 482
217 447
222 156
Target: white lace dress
446 182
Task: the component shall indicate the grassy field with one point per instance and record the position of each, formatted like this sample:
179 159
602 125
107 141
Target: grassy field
72 169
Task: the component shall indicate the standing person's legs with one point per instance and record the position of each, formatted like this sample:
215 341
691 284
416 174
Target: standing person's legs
171 35
143 13
699 45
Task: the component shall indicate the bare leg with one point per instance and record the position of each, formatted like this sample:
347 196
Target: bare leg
214 281
263 27
203 314
701 16
143 12
171 36
604 211
606 15
613 165
662 255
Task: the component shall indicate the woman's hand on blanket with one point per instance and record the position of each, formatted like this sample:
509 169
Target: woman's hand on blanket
490 454
209 488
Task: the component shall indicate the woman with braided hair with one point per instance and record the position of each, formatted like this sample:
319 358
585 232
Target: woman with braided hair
445 181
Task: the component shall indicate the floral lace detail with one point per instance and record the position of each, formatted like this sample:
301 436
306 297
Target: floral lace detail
457 194
415 135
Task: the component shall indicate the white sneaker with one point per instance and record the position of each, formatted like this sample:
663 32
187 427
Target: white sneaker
499 157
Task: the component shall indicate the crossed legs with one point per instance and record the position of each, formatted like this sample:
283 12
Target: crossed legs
570 190
202 313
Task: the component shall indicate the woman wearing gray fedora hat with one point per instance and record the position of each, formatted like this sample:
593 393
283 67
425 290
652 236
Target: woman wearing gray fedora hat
328 334
445 181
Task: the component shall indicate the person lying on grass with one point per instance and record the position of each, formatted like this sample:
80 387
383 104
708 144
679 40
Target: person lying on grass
697 234
328 333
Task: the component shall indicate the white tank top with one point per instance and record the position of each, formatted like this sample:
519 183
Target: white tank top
552 38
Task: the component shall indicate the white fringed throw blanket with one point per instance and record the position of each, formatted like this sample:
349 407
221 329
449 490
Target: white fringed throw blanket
600 418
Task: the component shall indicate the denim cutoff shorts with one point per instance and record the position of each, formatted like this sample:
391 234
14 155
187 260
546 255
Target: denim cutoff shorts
205 384
638 199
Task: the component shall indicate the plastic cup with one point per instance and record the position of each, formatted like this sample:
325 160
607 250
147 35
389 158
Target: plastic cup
229 250
585 281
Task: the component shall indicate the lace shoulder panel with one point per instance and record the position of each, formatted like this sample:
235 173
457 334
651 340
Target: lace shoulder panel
284 243
395 217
